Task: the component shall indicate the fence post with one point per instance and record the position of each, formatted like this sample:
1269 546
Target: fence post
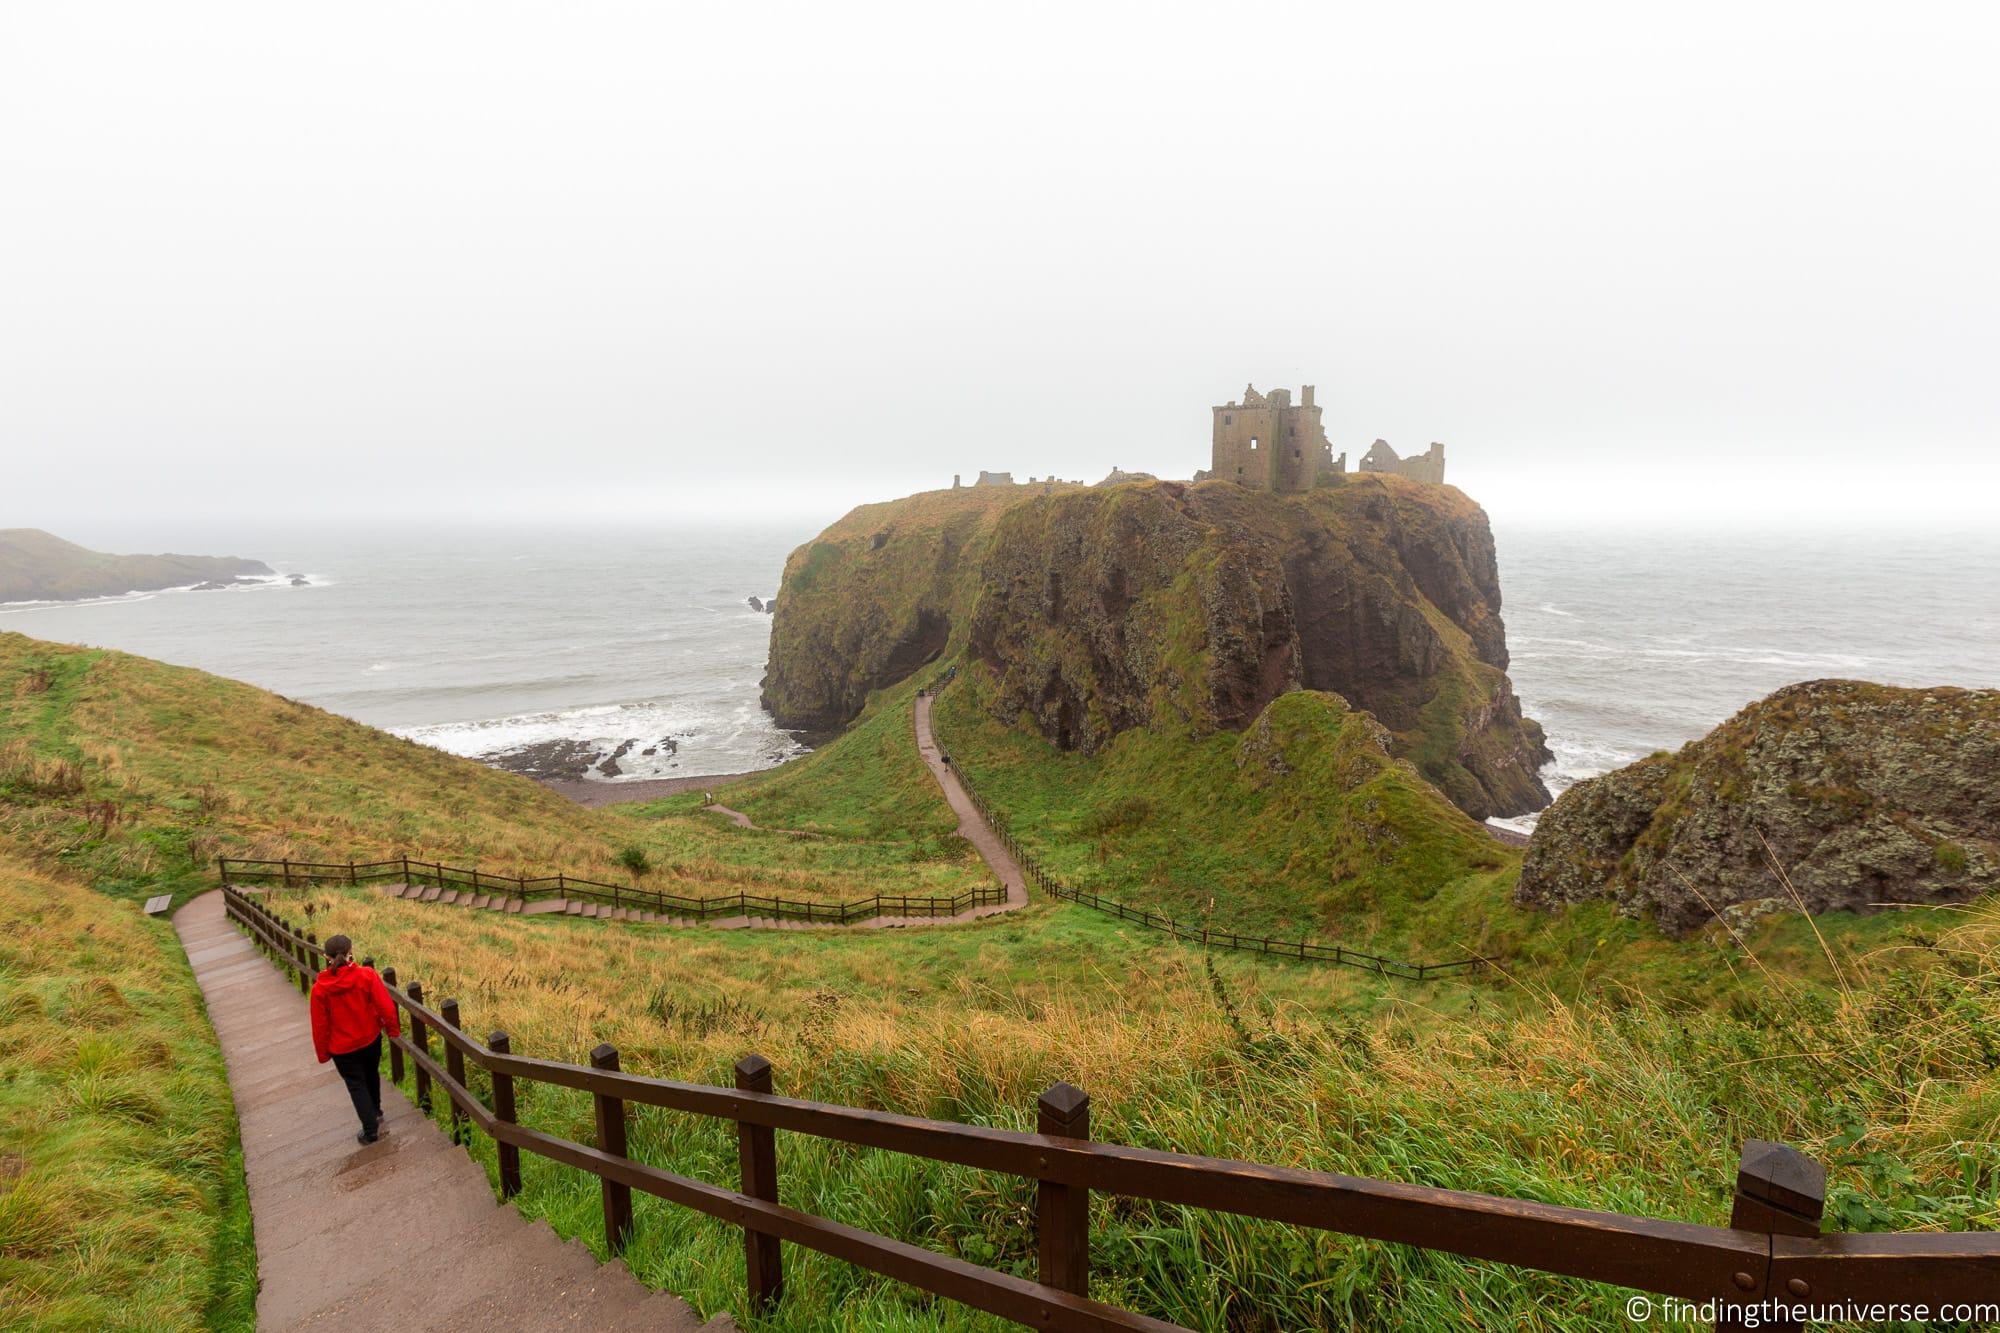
611 1139
1062 1212
351 880
454 1064
299 956
288 872
1779 1192
422 1036
395 1051
406 867
503 1110
757 1151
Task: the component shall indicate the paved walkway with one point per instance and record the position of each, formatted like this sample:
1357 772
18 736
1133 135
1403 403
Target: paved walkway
401 1234
972 825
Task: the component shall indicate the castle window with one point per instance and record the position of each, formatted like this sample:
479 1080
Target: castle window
1253 441
1228 419
1297 454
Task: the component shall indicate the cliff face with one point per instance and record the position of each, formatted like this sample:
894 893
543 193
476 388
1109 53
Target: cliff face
1191 607
874 597
36 566
1863 794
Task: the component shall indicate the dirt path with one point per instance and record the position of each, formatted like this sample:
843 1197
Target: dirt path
600 792
972 826
741 820
337 1224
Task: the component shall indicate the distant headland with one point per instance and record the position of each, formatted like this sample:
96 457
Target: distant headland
36 566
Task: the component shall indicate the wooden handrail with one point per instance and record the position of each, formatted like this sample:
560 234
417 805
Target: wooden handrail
1733 1265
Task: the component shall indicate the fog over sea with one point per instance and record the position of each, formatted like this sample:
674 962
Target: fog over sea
497 642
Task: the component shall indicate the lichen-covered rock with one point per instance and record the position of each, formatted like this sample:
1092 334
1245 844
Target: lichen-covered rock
1167 605
1860 795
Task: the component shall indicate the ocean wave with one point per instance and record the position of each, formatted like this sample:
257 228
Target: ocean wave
682 737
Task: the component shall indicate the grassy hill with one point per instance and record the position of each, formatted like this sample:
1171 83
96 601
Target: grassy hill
38 566
121 1182
140 774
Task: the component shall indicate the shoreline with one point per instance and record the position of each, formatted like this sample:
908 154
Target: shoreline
595 793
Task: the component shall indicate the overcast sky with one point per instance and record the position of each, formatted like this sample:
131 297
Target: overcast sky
651 260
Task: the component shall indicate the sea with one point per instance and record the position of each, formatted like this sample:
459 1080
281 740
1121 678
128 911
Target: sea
625 653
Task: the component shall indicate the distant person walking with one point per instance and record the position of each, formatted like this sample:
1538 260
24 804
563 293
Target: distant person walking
351 1009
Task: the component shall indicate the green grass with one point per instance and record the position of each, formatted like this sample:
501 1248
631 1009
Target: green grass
1605 1066
1595 1095
138 775
870 783
121 1184
1302 825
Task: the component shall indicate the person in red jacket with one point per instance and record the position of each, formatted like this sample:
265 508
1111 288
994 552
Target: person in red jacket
351 1009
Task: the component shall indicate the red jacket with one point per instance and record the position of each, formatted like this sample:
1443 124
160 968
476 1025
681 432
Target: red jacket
350 1007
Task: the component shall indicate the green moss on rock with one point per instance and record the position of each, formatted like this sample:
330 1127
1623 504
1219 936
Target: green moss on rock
1849 795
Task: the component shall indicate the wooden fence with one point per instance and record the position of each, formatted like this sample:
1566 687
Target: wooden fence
296 874
1771 1252
1302 950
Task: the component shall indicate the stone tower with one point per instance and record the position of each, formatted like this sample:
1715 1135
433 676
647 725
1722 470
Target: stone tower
1267 443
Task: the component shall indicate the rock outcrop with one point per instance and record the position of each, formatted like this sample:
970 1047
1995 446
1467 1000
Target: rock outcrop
1160 604
1859 795
36 566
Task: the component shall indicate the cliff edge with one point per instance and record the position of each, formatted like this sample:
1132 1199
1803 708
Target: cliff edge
1863 795
1187 607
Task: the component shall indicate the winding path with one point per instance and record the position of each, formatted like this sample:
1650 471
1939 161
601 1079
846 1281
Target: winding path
972 825
403 1233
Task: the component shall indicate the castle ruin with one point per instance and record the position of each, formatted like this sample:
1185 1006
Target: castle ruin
1267 443
1427 466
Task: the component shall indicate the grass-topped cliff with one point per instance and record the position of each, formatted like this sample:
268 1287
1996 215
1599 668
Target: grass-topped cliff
1177 609
38 566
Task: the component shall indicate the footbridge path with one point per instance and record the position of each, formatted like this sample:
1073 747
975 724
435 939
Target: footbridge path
334 1220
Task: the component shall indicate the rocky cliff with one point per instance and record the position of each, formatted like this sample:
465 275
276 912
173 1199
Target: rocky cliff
37 566
1860 794
1166 605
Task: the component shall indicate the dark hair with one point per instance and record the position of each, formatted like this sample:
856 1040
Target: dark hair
338 946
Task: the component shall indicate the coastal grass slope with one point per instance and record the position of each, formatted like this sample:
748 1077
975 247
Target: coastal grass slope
1590 1092
1302 825
138 775
121 1183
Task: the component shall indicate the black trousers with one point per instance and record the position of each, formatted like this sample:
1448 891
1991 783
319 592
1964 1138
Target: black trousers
362 1072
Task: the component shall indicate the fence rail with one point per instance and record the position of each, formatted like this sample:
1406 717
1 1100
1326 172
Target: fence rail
1772 1251
1302 950
294 874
